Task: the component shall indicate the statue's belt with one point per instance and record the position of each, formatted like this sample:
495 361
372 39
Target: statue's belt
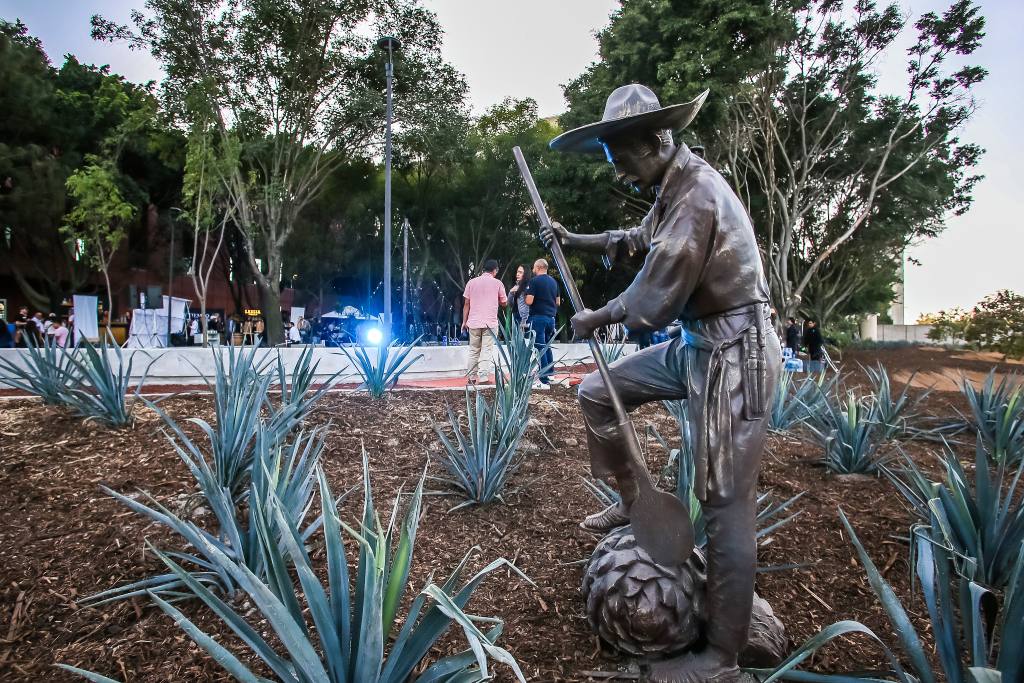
712 408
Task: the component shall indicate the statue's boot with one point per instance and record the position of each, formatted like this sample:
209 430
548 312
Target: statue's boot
614 515
700 667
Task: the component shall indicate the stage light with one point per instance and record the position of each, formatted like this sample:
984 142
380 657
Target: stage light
374 336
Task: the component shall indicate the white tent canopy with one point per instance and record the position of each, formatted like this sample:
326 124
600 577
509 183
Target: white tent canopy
149 326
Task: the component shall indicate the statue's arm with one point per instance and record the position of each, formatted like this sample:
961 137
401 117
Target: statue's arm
671 270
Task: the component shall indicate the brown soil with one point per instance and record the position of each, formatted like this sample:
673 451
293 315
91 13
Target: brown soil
62 539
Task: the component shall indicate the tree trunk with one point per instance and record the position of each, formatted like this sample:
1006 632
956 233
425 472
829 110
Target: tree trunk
270 299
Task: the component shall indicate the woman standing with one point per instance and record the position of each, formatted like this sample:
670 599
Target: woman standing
517 297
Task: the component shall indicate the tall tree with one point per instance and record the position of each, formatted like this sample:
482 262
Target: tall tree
97 223
50 121
298 85
818 154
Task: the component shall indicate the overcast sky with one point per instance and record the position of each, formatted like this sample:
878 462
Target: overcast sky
529 48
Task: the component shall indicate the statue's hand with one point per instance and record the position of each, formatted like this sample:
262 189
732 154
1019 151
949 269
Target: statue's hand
585 322
550 232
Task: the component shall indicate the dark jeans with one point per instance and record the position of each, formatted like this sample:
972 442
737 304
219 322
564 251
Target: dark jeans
544 327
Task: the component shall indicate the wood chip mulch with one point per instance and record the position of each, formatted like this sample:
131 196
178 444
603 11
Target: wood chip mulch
62 539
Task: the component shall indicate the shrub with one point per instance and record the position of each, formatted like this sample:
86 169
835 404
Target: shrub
285 473
983 522
966 651
997 324
481 458
48 373
890 412
517 368
849 436
352 623
798 401
381 372
997 415
102 392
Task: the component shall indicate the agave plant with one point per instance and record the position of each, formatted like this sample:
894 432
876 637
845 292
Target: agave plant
849 437
997 414
286 473
797 402
967 651
297 401
982 522
352 622
48 372
381 372
481 458
102 392
517 368
891 412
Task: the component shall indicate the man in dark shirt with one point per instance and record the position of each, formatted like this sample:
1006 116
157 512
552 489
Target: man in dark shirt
793 337
543 299
815 346
703 267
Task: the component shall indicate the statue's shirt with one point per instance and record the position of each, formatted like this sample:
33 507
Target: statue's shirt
702 255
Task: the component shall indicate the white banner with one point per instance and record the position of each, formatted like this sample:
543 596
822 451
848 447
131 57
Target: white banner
297 312
87 324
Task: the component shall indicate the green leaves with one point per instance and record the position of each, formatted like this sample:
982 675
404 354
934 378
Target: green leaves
381 371
350 624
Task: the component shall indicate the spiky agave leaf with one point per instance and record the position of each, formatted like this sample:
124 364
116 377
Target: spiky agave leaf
347 645
103 392
381 373
481 458
982 518
47 371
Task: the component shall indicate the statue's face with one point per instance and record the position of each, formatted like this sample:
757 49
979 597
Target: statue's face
639 162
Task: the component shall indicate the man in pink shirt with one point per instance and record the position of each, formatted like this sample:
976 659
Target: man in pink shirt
483 295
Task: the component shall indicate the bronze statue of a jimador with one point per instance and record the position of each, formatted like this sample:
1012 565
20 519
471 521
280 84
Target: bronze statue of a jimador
702 267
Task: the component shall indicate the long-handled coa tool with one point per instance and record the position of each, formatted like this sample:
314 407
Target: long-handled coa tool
661 523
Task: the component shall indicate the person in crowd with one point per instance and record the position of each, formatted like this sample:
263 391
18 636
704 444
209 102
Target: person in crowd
22 328
292 334
6 336
304 328
59 333
815 345
40 322
793 336
48 323
517 296
543 299
483 295
260 329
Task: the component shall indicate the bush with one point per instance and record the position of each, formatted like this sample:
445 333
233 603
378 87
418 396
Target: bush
481 458
49 372
381 373
102 392
997 415
849 436
890 412
983 523
997 324
284 473
798 401
357 632
984 647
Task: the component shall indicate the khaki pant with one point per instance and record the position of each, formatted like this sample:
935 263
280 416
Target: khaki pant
481 349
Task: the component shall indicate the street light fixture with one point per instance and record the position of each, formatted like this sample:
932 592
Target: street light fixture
390 44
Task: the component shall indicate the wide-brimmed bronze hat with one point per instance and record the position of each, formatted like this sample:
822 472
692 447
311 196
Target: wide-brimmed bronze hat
630 107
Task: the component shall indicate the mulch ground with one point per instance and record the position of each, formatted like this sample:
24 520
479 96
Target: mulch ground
61 538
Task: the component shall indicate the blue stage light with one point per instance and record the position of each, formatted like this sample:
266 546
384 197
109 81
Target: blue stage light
374 336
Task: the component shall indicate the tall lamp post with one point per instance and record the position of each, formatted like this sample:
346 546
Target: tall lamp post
390 44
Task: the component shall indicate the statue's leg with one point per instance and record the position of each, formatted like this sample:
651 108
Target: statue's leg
652 374
731 549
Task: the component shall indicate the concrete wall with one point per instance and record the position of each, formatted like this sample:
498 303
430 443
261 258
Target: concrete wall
917 334
189 366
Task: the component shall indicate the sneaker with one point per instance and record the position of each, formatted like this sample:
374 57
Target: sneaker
541 385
